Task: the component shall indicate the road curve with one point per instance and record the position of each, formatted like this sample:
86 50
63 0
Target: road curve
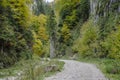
74 70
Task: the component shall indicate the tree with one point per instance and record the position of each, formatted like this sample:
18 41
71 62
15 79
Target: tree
38 7
40 35
51 24
14 38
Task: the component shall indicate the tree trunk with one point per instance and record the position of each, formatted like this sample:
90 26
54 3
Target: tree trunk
52 48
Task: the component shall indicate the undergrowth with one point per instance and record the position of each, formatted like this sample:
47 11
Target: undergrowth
34 69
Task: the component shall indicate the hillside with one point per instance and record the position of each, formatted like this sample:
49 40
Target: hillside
83 30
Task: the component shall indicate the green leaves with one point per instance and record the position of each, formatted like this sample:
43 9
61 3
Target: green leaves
112 44
87 43
14 22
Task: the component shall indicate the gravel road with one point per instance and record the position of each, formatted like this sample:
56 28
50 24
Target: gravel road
74 70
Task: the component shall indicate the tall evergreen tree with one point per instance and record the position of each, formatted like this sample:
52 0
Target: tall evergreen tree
38 7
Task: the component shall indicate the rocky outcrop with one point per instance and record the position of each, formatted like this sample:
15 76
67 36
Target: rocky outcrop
102 8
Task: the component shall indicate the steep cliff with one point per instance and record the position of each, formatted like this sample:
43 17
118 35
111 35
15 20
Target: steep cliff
103 8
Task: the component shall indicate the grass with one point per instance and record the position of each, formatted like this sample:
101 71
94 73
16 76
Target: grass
13 70
47 74
110 67
32 69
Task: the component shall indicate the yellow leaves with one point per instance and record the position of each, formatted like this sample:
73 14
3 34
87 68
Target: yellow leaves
42 20
34 34
20 12
37 46
65 32
39 34
42 33
3 3
39 25
38 43
39 21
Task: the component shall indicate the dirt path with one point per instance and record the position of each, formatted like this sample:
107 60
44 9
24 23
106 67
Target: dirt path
74 70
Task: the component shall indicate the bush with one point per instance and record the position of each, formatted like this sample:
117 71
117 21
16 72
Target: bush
112 66
86 45
112 44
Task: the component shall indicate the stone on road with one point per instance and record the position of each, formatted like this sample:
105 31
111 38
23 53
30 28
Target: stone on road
74 70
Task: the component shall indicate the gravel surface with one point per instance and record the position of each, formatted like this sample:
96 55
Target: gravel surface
74 70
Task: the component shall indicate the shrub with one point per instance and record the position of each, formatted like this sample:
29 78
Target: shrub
86 45
112 67
112 44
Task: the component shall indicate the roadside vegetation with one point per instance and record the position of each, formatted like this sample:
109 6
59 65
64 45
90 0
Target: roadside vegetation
34 69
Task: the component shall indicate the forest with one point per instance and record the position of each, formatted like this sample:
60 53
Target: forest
82 30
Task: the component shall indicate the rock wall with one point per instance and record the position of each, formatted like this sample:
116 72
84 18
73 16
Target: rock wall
102 8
